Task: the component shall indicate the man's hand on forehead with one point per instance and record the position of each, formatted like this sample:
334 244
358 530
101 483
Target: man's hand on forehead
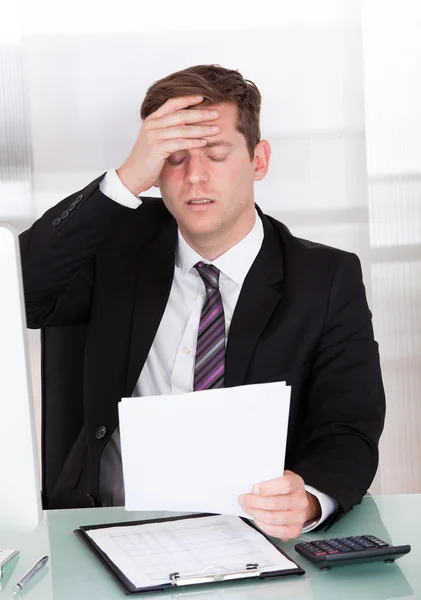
178 124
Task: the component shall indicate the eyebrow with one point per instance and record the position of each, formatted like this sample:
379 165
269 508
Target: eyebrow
219 143
215 144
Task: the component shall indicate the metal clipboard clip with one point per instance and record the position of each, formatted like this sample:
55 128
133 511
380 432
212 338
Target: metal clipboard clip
251 570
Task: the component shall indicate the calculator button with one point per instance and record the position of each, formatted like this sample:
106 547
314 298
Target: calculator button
312 549
368 544
376 540
344 548
316 551
344 541
356 546
323 546
356 539
307 546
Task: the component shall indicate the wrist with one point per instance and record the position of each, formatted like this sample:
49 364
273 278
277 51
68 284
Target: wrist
129 181
314 510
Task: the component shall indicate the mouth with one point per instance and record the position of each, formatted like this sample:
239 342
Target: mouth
197 201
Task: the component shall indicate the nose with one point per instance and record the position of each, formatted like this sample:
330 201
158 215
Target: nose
196 171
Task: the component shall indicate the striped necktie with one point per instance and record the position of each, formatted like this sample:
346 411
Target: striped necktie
209 367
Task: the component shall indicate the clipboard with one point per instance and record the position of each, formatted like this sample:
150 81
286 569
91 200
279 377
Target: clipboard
251 571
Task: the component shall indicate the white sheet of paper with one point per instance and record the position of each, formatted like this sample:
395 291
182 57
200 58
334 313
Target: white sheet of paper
148 553
198 452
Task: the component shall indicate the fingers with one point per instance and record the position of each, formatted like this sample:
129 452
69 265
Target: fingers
287 502
274 517
173 104
278 506
178 144
290 483
283 532
169 129
185 131
179 124
183 117
283 524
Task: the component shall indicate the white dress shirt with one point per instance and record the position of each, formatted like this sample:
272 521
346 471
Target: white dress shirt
169 367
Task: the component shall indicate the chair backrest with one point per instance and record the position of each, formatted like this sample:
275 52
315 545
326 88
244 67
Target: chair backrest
62 355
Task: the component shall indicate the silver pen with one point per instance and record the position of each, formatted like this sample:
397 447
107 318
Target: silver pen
37 566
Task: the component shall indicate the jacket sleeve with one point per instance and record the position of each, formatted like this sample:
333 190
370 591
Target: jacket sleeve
58 257
346 403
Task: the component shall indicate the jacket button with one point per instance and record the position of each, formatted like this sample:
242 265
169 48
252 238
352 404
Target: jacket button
91 500
79 198
102 432
72 206
56 221
64 214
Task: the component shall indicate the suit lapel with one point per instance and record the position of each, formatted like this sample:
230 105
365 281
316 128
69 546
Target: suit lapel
154 279
259 297
260 294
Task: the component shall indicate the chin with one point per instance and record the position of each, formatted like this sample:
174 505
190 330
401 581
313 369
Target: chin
200 231
203 224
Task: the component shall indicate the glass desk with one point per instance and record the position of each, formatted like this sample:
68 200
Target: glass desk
74 574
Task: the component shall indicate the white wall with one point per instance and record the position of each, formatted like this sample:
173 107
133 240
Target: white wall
392 59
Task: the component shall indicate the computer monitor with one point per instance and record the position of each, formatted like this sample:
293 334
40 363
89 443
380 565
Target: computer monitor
20 496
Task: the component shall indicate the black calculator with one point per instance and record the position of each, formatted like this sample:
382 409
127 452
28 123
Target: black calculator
326 554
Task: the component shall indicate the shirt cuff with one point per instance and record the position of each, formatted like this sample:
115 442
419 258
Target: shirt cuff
112 187
327 504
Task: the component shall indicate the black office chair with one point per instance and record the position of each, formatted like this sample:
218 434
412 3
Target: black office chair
62 354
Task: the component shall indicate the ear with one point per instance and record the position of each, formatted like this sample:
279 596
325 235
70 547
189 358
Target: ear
262 154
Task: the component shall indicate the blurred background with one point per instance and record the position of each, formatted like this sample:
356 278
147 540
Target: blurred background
341 87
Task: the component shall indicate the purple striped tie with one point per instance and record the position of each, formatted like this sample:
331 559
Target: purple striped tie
209 368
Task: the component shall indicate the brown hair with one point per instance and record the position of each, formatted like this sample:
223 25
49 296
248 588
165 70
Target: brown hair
216 84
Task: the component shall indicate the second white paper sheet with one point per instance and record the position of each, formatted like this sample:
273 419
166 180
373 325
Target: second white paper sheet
198 452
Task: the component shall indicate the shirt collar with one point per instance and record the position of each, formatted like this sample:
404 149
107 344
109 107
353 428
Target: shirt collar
235 263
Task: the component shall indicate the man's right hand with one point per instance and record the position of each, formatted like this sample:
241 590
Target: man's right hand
169 129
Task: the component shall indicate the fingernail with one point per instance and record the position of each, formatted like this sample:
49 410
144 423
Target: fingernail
198 97
241 499
215 128
256 490
214 113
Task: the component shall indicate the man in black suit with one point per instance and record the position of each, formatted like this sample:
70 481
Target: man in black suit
202 290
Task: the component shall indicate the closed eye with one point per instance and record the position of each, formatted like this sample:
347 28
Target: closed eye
178 162
175 163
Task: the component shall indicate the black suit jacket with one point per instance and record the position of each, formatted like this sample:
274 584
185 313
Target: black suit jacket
302 317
